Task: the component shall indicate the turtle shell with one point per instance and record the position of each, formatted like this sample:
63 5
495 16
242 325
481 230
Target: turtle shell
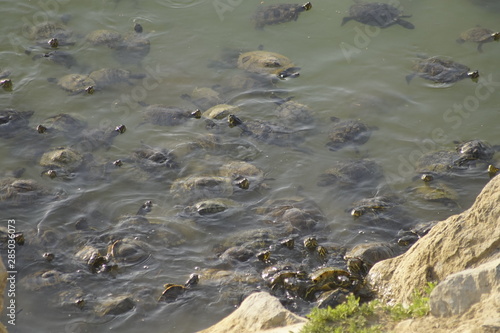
104 37
265 62
164 115
479 35
351 173
347 132
75 83
377 14
441 70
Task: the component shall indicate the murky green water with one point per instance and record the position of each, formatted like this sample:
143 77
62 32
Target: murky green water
351 71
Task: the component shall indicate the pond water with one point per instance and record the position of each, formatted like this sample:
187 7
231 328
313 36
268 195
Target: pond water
347 72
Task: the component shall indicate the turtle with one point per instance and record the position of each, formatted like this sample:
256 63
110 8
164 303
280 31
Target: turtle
436 191
106 37
20 192
362 257
221 111
294 113
442 163
279 13
492 170
377 14
64 123
72 297
153 160
75 83
238 170
204 98
44 32
91 139
408 237
46 279
6 84
440 69
133 47
114 305
474 150
268 132
164 115
129 250
327 278
58 57
94 260
479 35
64 159
212 206
286 277
343 133
13 122
267 63
173 291
108 76
198 187
374 205
332 298
351 173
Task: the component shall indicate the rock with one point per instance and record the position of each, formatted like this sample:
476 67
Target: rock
462 254
3 283
460 242
115 306
259 313
459 291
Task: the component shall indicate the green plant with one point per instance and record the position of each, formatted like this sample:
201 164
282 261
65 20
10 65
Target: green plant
352 317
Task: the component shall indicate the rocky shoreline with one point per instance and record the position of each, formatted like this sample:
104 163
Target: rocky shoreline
461 254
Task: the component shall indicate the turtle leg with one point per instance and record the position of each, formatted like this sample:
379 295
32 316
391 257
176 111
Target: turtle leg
409 77
460 41
345 20
406 24
480 47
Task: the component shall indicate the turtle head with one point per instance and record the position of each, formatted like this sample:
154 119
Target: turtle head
474 75
496 36
306 6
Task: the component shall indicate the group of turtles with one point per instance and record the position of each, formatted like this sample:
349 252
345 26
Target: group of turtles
282 252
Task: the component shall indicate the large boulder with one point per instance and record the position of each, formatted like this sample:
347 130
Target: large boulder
260 312
460 242
461 254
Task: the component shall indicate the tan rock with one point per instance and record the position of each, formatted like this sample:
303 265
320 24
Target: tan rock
460 242
259 313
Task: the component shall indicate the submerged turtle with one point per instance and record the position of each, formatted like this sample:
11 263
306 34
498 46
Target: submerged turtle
377 14
107 76
270 133
475 150
438 163
373 205
164 115
152 159
295 113
436 191
93 139
133 47
279 13
12 122
75 83
480 36
63 123
59 57
441 70
197 187
267 63
347 132
47 31
204 98
61 161
104 37
351 173
221 111
362 257
328 278
172 291
18 192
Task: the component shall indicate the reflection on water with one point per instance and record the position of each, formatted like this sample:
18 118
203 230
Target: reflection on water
84 207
